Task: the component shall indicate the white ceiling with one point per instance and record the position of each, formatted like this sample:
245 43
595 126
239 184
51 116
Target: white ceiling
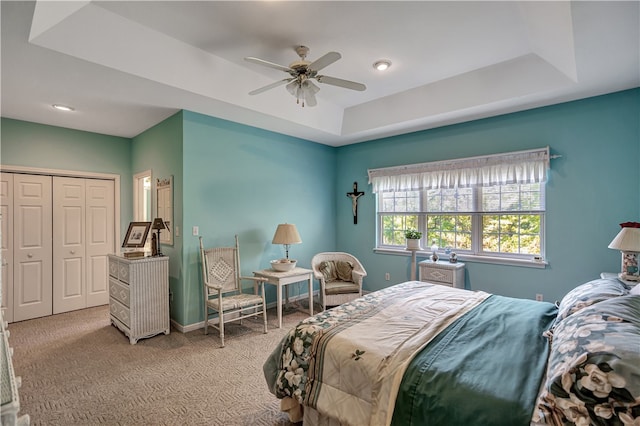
127 65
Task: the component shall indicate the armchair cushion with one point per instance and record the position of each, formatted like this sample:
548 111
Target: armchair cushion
328 269
344 270
341 287
333 270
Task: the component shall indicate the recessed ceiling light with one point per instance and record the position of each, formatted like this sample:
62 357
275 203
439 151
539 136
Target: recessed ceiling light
382 64
63 107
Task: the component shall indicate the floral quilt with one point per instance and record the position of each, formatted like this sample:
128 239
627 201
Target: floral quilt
593 376
348 362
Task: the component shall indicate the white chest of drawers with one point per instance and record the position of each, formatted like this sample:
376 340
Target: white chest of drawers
442 272
139 296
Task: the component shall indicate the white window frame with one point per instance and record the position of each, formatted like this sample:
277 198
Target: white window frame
421 177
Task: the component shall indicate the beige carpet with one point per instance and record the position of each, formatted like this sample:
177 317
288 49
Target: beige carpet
77 369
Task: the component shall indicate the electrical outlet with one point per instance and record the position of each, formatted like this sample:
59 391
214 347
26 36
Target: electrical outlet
387 276
539 297
196 231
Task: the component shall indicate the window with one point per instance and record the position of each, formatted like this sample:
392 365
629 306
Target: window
479 215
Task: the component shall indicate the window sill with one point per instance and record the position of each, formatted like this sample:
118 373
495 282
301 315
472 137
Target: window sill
526 263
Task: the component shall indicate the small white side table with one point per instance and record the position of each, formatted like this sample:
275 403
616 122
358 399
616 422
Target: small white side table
442 272
615 275
281 279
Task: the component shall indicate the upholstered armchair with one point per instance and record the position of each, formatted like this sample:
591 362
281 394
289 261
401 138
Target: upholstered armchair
340 276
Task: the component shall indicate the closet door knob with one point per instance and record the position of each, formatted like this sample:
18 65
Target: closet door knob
30 255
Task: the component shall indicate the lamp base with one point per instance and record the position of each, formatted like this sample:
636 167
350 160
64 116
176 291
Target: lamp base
629 269
627 277
157 251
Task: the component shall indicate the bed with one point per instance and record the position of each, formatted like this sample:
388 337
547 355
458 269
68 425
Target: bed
424 354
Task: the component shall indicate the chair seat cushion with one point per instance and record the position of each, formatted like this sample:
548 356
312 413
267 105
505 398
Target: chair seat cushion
236 301
341 287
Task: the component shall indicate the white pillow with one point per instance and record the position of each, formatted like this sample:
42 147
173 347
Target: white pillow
635 290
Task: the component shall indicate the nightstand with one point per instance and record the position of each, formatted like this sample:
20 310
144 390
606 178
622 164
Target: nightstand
442 272
616 275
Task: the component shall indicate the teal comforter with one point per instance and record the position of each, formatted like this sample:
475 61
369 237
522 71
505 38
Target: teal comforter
484 369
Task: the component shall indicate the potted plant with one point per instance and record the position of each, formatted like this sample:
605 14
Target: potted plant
413 239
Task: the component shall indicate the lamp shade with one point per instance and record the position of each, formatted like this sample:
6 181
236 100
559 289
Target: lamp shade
158 223
628 239
286 233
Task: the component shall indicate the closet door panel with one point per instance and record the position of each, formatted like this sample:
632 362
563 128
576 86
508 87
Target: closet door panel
68 244
6 244
32 285
100 241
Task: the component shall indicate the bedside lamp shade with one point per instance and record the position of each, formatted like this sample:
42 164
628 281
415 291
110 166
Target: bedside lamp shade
286 234
628 242
158 225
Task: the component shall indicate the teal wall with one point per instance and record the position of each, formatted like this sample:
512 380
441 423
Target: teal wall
234 179
29 144
593 187
245 181
159 149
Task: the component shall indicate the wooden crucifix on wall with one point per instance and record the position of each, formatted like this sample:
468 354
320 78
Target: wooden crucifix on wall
354 201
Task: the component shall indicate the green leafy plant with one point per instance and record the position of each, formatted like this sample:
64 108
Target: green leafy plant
412 234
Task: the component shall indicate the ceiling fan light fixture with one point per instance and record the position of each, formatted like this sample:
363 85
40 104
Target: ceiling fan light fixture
292 87
299 85
309 87
309 90
382 64
304 91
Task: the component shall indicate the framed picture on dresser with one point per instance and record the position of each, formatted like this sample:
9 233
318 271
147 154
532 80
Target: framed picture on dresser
136 234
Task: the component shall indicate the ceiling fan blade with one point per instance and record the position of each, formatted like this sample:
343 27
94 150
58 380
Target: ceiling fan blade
324 61
267 64
270 86
340 82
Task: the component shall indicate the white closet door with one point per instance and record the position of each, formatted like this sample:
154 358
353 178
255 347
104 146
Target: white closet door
32 270
6 244
69 270
83 221
100 202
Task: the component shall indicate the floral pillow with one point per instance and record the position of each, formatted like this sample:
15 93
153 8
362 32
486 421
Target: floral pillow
589 293
594 367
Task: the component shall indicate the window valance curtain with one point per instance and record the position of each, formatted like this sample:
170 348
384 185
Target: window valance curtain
514 167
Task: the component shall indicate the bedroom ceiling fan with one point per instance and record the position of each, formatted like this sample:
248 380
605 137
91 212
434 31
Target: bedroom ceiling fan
302 72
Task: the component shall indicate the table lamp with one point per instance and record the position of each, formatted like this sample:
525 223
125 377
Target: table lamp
286 234
628 242
158 225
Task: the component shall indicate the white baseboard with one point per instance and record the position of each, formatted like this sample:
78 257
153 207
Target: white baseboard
191 327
